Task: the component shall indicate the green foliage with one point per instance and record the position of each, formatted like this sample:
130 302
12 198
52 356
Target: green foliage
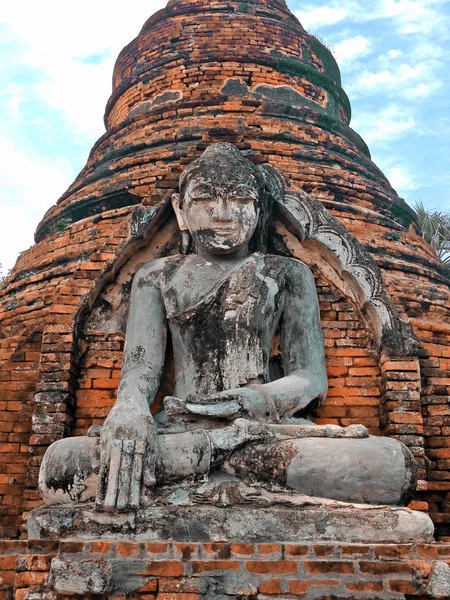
435 229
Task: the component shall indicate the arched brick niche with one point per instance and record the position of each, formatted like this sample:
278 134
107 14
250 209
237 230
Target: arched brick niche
366 370
359 390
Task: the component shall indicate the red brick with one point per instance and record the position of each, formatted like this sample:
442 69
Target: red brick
175 596
403 586
301 587
8 563
156 547
170 568
271 587
269 548
101 547
71 547
40 562
187 551
296 550
27 579
268 566
365 586
355 550
185 585
150 586
323 550
395 551
214 565
320 567
242 549
128 549
391 567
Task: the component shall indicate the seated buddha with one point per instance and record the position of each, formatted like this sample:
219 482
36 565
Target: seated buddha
224 300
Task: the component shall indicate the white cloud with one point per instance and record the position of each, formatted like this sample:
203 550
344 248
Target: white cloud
394 53
416 80
351 49
29 186
396 76
389 123
52 37
423 90
408 16
416 16
401 178
321 16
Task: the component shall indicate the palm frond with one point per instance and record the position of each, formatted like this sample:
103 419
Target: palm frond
435 229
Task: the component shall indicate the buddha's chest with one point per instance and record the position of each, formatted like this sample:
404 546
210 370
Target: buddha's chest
242 297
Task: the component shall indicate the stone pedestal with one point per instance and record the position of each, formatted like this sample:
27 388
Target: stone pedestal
316 520
323 549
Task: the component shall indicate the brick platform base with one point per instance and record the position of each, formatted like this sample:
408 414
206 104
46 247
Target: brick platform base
49 570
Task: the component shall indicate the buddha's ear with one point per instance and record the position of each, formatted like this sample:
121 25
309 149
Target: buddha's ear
178 213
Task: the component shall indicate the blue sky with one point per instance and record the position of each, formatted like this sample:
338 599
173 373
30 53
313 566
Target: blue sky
56 62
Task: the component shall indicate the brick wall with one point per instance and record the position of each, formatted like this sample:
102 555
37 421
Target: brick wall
188 571
18 376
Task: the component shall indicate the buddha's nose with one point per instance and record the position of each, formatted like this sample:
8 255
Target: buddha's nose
222 209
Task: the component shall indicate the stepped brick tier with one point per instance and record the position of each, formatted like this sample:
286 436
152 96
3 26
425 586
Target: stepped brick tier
244 72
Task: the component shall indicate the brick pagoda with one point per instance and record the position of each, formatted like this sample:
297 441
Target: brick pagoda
200 72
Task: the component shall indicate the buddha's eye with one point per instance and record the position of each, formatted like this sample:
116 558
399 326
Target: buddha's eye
200 197
242 199
243 194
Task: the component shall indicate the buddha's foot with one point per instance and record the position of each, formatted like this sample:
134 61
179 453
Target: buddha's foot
227 493
240 432
288 430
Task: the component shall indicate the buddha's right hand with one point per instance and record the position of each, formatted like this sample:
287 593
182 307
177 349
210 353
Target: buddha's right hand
128 457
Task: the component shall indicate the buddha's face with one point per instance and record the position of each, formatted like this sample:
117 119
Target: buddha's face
221 211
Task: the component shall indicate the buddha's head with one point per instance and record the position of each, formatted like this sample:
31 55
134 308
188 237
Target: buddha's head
220 200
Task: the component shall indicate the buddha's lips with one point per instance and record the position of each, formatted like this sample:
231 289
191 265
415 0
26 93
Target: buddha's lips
225 231
220 231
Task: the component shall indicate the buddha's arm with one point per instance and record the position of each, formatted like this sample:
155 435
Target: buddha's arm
305 383
129 439
144 344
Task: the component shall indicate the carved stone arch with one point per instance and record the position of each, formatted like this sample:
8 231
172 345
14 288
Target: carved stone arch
143 224
308 219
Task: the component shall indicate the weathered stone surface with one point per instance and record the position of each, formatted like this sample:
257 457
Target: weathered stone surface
70 471
279 99
79 577
439 585
310 519
373 470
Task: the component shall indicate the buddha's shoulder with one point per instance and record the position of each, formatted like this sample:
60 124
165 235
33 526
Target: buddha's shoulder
153 270
284 264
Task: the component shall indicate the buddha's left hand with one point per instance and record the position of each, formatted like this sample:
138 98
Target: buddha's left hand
247 401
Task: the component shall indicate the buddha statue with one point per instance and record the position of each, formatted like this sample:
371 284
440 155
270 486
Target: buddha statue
234 413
